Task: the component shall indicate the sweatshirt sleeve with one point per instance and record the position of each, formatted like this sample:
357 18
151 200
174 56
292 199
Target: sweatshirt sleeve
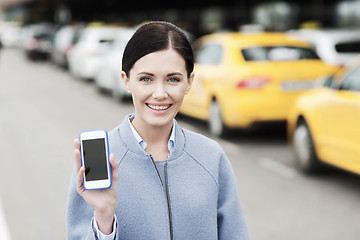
102 236
231 219
80 215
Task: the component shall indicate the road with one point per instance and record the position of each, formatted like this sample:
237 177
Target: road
43 108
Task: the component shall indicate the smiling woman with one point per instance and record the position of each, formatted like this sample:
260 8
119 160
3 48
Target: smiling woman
158 91
168 182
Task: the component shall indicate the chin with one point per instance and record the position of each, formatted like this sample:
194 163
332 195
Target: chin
159 121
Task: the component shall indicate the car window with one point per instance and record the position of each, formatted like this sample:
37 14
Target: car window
351 81
209 54
328 81
348 47
278 53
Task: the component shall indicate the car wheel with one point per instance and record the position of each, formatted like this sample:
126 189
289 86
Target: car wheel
215 122
99 88
305 155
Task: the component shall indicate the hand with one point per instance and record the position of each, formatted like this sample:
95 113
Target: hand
103 201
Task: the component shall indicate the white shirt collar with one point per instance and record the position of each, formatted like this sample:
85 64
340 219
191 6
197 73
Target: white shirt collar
142 143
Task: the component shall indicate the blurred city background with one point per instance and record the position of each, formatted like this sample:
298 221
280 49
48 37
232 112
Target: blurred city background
277 84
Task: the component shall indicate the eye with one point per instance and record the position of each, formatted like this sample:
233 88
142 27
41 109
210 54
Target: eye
173 80
145 79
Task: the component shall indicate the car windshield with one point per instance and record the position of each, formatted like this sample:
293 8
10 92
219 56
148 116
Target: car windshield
278 53
348 47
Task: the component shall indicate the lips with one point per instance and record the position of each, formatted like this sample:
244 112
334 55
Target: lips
158 107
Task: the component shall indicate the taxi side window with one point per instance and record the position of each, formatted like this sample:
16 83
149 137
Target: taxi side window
209 54
352 81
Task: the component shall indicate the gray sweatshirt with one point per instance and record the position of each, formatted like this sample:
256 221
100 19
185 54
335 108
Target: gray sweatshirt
190 196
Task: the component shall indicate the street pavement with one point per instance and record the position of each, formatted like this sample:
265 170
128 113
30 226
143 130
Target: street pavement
43 108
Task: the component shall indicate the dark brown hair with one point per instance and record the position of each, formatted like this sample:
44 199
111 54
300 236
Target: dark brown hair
156 36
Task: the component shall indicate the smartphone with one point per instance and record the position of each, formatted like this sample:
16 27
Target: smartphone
94 152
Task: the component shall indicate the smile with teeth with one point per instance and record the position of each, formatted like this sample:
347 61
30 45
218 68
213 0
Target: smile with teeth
159 107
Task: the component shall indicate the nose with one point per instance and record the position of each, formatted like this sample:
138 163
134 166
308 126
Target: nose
160 91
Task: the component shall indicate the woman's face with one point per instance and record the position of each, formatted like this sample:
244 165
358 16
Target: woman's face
158 83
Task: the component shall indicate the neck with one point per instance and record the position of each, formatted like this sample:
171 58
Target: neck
153 134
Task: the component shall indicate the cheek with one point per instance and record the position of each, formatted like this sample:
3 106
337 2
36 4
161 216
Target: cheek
136 88
140 93
177 93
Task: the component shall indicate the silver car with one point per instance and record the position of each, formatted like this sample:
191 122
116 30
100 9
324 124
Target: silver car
85 57
334 46
109 78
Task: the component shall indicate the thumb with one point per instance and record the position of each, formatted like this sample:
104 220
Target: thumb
113 163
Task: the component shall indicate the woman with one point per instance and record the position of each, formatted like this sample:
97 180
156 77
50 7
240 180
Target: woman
168 182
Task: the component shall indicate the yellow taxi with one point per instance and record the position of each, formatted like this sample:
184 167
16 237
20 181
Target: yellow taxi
243 78
323 124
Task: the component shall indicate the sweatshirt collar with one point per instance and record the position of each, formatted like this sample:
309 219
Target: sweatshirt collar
130 141
143 144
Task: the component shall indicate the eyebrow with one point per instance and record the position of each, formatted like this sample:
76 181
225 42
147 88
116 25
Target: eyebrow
145 73
168 75
175 73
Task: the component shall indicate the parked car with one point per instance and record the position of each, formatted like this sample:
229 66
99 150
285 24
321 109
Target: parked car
323 124
109 77
10 34
84 58
36 40
64 39
244 78
334 46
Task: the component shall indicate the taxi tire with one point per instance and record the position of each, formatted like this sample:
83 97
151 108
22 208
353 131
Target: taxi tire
303 146
215 122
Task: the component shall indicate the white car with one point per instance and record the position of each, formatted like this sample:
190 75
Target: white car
109 78
64 40
10 34
84 58
334 46
36 40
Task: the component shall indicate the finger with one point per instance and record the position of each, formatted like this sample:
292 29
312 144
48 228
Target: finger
77 154
80 183
77 159
76 143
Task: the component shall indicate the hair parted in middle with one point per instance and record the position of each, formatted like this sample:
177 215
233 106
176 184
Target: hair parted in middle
156 36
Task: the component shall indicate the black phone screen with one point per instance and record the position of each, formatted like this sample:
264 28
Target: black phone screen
95 159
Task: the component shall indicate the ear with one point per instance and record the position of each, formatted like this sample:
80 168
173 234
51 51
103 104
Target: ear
190 81
126 81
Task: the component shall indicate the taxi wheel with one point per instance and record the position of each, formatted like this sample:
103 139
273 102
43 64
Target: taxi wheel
304 149
215 122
